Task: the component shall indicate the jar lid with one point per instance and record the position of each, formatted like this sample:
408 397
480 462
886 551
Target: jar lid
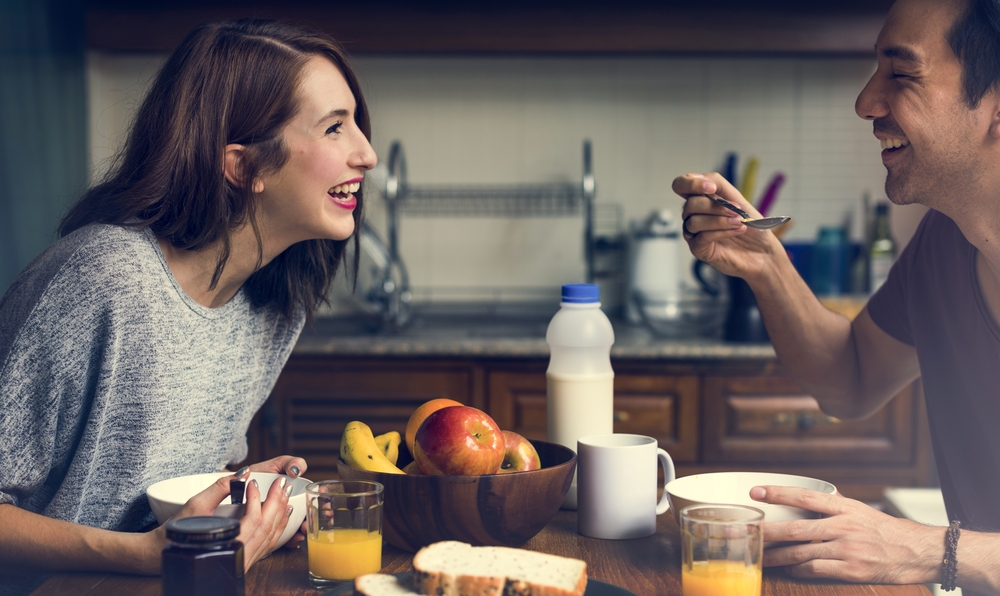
199 530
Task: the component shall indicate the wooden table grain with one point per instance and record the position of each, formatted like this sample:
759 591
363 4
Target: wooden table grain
646 566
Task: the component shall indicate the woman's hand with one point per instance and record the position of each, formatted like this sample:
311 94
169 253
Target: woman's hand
283 464
293 467
262 522
718 236
854 542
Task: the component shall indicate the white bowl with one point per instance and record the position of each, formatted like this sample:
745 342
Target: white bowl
168 496
733 488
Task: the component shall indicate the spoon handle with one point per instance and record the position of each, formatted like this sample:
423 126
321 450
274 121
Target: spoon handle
730 206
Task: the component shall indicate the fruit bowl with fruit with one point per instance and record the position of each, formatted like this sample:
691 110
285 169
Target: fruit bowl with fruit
465 479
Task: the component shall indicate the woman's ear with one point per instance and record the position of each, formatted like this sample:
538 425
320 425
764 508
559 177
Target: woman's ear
233 168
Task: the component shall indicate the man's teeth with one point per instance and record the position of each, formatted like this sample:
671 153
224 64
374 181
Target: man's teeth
894 143
343 189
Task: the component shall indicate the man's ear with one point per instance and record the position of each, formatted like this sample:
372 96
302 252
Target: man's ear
994 99
233 168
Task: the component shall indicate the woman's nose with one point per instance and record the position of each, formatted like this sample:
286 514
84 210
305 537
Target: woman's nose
363 157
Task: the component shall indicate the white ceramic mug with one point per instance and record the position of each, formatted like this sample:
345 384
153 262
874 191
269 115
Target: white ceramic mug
616 485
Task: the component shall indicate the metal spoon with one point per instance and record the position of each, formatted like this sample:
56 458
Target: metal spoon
762 223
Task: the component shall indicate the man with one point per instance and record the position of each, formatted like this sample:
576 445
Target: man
935 104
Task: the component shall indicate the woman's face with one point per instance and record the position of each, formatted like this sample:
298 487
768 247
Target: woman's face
312 195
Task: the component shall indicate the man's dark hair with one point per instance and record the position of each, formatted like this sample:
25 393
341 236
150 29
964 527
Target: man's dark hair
975 39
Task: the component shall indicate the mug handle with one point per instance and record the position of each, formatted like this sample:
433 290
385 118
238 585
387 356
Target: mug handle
709 288
668 475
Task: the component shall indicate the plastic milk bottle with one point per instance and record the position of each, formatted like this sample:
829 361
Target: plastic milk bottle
580 379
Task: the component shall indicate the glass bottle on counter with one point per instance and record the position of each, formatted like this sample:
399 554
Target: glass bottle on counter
580 380
882 249
204 558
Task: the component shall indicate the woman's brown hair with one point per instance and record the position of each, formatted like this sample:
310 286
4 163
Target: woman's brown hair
227 82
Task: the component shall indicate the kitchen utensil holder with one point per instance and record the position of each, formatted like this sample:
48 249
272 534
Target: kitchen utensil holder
514 200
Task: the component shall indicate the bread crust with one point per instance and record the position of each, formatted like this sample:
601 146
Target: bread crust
440 583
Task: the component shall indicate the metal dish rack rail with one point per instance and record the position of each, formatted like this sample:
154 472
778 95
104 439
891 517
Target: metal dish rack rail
515 200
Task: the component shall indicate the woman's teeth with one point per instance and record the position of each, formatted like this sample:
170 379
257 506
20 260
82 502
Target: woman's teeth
894 143
345 189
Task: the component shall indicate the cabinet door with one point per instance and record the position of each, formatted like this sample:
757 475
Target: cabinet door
770 419
315 398
664 407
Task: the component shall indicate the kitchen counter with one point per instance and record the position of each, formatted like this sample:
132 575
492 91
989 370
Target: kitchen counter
501 337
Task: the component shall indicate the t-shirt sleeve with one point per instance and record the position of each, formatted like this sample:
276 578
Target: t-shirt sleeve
888 307
45 372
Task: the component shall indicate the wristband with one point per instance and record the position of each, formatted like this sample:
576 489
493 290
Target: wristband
950 562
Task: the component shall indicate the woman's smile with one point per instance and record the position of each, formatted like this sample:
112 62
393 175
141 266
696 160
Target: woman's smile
343 194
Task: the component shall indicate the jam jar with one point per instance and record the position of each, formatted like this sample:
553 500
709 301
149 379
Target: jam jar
203 557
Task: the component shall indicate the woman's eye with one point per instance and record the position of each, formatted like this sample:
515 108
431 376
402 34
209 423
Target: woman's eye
334 128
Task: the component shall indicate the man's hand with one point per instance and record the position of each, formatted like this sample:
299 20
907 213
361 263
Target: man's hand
854 542
716 235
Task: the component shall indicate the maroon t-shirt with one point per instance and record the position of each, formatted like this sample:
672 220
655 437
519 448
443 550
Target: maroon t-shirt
932 301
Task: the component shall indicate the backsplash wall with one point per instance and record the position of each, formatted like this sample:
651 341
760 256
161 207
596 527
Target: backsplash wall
523 120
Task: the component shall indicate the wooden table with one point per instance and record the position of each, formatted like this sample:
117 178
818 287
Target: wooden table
646 566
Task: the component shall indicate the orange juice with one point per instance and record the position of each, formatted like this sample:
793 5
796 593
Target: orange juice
344 553
720 578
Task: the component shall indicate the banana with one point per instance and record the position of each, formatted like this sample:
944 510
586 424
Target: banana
359 450
389 444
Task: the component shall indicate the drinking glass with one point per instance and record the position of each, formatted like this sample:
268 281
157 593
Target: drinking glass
344 521
722 550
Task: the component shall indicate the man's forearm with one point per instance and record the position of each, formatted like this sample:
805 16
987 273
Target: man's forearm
978 556
29 541
813 343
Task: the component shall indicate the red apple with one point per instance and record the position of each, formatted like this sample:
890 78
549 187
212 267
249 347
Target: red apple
520 455
459 441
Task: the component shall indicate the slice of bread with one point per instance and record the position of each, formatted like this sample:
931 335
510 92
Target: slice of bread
457 569
381 584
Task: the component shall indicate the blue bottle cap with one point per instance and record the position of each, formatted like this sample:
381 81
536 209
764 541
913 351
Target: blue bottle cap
581 293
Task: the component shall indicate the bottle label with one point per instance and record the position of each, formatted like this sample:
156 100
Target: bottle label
878 271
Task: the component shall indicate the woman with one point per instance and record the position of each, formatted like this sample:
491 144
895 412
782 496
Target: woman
139 345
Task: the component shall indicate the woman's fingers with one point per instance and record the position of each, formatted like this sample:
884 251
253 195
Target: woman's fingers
205 502
263 522
283 464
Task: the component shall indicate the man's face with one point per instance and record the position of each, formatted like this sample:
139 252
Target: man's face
933 144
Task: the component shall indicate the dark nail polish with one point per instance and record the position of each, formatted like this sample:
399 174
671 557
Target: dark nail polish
295 471
242 471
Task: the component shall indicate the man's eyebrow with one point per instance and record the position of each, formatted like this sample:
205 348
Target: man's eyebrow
900 52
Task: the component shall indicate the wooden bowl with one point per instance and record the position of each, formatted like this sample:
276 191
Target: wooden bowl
490 510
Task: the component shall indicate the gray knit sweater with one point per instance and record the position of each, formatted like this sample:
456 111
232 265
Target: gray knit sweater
112 378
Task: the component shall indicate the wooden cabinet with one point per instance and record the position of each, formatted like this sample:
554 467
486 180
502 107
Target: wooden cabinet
768 423
315 398
661 406
548 27
708 416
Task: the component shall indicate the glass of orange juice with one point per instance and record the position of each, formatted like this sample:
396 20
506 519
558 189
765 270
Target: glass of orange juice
344 521
722 550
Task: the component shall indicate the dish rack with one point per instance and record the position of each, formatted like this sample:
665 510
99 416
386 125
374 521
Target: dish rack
515 200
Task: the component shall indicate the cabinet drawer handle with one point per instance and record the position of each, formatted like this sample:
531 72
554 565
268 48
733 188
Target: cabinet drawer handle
621 416
783 418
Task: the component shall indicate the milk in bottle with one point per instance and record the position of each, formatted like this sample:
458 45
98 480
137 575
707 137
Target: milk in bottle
580 395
